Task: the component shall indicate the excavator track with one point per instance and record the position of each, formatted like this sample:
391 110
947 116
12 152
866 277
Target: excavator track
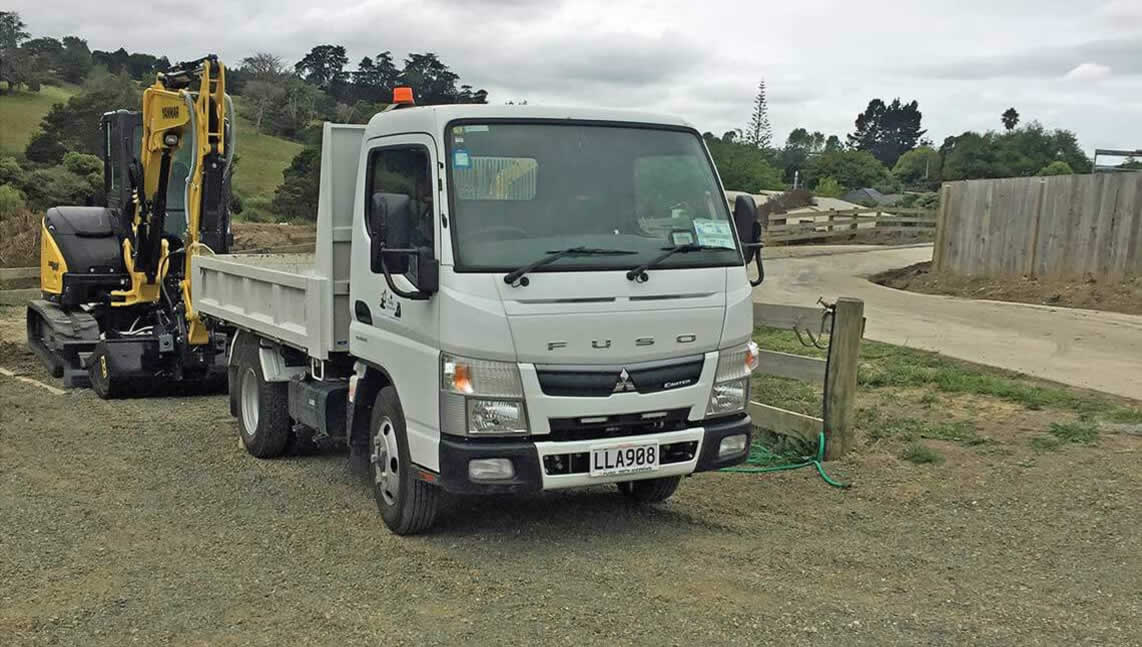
62 339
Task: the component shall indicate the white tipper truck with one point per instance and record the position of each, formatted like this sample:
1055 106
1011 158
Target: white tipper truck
502 299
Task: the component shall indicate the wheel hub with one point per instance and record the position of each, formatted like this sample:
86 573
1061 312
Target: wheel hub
250 402
384 457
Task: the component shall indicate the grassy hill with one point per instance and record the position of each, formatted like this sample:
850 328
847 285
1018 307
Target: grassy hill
20 115
262 157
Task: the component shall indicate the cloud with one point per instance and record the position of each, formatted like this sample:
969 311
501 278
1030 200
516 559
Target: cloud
700 60
1088 72
1123 55
1122 13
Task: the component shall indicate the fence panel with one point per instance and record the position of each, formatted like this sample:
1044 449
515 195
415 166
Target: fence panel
1067 225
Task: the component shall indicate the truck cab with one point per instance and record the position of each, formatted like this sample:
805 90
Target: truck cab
515 299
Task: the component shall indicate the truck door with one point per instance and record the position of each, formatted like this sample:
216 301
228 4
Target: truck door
396 334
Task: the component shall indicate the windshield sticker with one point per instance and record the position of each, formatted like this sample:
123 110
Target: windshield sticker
460 158
714 233
475 129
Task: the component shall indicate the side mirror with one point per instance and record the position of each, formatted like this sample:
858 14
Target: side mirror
389 228
746 221
390 252
749 233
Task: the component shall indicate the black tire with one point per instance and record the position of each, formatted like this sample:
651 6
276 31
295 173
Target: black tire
411 506
102 381
650 490
263 410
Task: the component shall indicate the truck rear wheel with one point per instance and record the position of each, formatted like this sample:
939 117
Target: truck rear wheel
650 490
407 505
263 408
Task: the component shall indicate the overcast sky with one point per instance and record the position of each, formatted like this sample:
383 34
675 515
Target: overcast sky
1073 64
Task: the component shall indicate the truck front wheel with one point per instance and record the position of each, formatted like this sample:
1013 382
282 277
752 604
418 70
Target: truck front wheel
650 490
407 505
263 407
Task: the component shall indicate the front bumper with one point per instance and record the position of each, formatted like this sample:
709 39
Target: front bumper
527 457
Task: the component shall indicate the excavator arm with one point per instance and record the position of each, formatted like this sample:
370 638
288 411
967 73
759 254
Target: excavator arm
185 117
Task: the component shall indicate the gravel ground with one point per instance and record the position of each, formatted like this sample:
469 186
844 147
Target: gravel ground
142 521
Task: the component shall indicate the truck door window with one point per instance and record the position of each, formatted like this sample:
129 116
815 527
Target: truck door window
404 171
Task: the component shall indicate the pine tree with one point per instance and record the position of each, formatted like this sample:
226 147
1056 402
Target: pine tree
760 133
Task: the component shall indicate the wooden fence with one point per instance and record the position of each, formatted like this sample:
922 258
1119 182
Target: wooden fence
823 225
838 375
1067 225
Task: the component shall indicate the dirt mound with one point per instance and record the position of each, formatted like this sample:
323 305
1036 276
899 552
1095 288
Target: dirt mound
19 239
1114 296
253 236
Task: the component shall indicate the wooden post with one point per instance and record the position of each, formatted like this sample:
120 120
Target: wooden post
841 378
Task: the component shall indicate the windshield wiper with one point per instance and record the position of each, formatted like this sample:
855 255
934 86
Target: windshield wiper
516 277
639 273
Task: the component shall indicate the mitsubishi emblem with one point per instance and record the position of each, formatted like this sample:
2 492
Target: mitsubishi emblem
624 384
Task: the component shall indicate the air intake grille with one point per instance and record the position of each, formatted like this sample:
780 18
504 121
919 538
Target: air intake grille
602 381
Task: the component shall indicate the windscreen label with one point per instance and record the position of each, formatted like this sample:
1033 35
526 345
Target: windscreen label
460 158
714 233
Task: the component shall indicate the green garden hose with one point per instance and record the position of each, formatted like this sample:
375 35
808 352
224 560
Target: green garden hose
759 454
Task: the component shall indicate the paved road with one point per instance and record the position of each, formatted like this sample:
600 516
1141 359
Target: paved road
1095 350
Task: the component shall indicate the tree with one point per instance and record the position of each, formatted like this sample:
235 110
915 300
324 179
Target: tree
852 169
1058 167
75 61
919 165
11 30
887 130
799 146
760 133
261 97
742 166
833 144
828 187
323 66
115 62
296 108
43 46
19 67
1010 118
1021 152
375 77
296 197
432 82
264 66
74 126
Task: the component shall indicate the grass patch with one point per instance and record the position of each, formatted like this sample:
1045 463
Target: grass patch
1045 443
921 455
878 426
792 395
1082 432
888 366
20 115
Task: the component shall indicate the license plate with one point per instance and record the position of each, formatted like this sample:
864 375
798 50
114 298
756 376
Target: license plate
628 458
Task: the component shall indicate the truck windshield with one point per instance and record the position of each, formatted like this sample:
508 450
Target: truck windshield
520 190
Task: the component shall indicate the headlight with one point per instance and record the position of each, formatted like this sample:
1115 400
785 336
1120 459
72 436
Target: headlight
730 392
481 397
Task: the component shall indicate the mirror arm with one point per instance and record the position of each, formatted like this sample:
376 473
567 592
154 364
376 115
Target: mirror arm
415 296
754 250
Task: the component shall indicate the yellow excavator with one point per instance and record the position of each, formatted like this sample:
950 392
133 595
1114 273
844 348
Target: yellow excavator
116 312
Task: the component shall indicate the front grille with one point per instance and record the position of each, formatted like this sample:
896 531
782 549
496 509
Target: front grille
601 381
580 462
617 426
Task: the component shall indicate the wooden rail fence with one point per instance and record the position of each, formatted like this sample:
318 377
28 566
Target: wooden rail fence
838 375
791 227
